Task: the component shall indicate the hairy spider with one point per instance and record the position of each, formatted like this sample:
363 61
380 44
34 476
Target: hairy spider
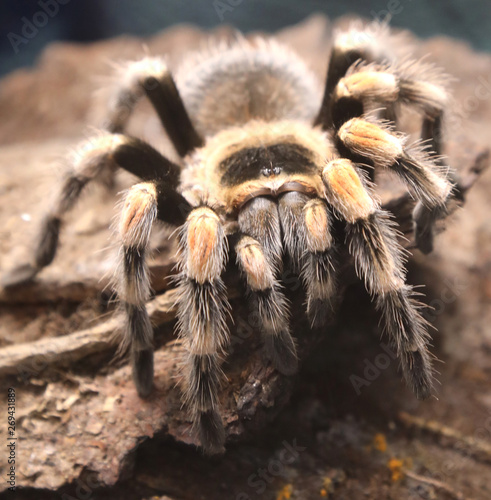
268 160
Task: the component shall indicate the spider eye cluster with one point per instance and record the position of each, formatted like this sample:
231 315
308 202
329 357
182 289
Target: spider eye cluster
271 170
265 161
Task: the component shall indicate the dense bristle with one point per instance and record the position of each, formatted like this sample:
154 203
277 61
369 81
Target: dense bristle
281 351
142 364
211 432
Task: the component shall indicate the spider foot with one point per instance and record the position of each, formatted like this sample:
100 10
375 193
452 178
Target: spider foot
211 432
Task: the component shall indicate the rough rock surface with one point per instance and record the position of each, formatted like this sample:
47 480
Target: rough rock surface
83 433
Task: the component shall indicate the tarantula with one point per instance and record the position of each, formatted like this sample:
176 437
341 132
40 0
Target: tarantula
268 160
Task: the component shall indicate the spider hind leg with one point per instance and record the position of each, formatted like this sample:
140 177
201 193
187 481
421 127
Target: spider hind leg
361 78
361 140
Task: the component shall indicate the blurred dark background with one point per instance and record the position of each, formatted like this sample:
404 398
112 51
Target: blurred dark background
26 26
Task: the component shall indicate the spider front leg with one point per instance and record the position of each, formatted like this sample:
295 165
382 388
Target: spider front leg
87 162
259 255
307 231
202 319
366 142
139 212
150 77
142 205
372 241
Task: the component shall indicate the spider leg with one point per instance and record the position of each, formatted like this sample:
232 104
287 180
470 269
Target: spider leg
202 319
260 251
370 84
88 162
367 142
150 77
349 47
307 235
350 85
378 85
139 213
373 243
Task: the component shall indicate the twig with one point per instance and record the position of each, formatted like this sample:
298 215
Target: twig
465 444
63 285
439 485
35 356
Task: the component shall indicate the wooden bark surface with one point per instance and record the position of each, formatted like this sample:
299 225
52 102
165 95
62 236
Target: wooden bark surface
83 430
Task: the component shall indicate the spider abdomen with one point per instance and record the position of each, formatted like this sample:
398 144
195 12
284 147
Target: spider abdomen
261 80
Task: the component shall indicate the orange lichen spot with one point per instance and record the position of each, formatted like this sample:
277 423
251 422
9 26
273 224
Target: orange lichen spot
345 190
323 493
380 443
396 468
327 486
285 493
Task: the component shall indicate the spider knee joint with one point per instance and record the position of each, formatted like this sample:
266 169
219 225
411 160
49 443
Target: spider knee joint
372 141
345 191
318 227
370 84
204 245
140 209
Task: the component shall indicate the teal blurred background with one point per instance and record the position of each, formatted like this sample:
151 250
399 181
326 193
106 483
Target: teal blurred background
26 26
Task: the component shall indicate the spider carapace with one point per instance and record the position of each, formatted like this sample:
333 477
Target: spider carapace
264 147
